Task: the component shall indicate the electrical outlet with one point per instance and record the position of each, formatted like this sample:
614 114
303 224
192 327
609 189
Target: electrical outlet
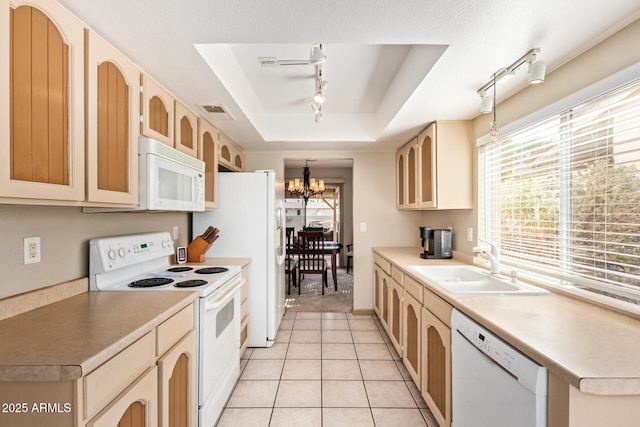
469 234
31 250
176 232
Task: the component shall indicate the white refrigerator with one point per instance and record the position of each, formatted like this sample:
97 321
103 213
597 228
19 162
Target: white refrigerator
251 220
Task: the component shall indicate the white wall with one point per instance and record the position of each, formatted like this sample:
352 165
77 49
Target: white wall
373 204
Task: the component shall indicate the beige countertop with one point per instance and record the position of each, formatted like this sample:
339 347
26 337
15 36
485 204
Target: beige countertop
242 262
590 347
69 338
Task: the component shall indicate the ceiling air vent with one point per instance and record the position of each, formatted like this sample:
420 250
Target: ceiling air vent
217 112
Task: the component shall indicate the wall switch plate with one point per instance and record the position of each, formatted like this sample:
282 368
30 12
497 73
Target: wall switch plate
363 227
469 234
176 232
31 250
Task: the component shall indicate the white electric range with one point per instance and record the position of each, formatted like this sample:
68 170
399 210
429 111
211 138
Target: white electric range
141 263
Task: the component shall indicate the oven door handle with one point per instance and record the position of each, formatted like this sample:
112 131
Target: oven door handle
229 292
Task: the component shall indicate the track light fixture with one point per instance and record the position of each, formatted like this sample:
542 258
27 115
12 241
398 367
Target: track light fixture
318 97
537 70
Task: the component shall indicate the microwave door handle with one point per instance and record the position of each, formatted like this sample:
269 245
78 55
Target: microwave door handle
225 298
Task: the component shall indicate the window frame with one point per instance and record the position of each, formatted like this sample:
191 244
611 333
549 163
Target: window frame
540 275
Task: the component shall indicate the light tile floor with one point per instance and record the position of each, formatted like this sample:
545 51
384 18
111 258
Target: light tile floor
326 370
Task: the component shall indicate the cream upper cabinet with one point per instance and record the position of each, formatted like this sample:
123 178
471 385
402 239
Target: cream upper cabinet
208 153
445 166
42 105
407 176
186 130
231 158
436 168
158 111
112 123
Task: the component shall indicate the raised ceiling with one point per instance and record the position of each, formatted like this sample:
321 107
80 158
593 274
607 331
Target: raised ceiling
392 67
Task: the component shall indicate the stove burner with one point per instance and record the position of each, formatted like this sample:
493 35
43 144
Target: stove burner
211 270
191 283
179 269
149 283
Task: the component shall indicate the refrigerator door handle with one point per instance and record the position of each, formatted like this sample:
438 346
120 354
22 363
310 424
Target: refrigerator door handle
282 249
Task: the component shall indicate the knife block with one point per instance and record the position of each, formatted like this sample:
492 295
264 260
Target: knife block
197 249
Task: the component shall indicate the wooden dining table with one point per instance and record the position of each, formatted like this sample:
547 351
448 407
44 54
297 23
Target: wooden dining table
330 248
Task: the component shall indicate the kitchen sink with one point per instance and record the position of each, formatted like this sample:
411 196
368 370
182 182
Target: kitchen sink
458 279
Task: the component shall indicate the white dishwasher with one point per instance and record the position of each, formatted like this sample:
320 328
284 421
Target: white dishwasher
493 384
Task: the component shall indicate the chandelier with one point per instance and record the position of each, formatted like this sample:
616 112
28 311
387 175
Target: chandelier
309 187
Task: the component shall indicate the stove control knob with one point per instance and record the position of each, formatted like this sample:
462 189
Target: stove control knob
121 252
164 243
111 254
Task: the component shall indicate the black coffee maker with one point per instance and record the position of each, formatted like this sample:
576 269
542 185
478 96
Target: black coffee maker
436 243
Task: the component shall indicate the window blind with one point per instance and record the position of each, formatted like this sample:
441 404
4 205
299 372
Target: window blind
563 194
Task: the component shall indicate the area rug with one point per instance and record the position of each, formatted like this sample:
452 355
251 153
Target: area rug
311 298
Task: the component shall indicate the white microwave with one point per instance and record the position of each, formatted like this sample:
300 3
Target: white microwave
168 180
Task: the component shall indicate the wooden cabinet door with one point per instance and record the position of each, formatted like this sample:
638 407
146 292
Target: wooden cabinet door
113 103
427 178
227 151
401 180
395 316
407 193
42 133
377 290
135 407
177 384
411 337
208 153
436 367
238 161
186 130
384 296
158 111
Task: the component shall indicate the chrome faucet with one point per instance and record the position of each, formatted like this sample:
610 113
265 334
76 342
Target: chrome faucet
493 256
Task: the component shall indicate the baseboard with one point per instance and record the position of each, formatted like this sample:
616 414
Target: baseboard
363 312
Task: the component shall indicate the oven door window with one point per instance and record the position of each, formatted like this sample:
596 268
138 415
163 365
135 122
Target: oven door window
224 318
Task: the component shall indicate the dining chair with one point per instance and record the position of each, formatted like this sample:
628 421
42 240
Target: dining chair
310 254
349 255
291 263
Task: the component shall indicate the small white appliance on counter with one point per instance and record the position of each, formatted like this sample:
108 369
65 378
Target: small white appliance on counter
492 383
140 263
251 220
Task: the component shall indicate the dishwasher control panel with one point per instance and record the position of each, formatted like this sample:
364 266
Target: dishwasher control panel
487 343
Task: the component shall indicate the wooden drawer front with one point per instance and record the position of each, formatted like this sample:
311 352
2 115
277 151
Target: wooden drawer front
173 329
103 384
438 306
383 263
397 275
414 288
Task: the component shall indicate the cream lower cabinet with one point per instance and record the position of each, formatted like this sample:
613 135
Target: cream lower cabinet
383 268
412 336
377 291
244 311
436 366
395 314
135 407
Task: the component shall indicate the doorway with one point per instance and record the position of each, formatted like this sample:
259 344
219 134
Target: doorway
332 212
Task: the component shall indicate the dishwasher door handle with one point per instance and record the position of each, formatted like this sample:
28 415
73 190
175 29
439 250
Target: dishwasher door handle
486 356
